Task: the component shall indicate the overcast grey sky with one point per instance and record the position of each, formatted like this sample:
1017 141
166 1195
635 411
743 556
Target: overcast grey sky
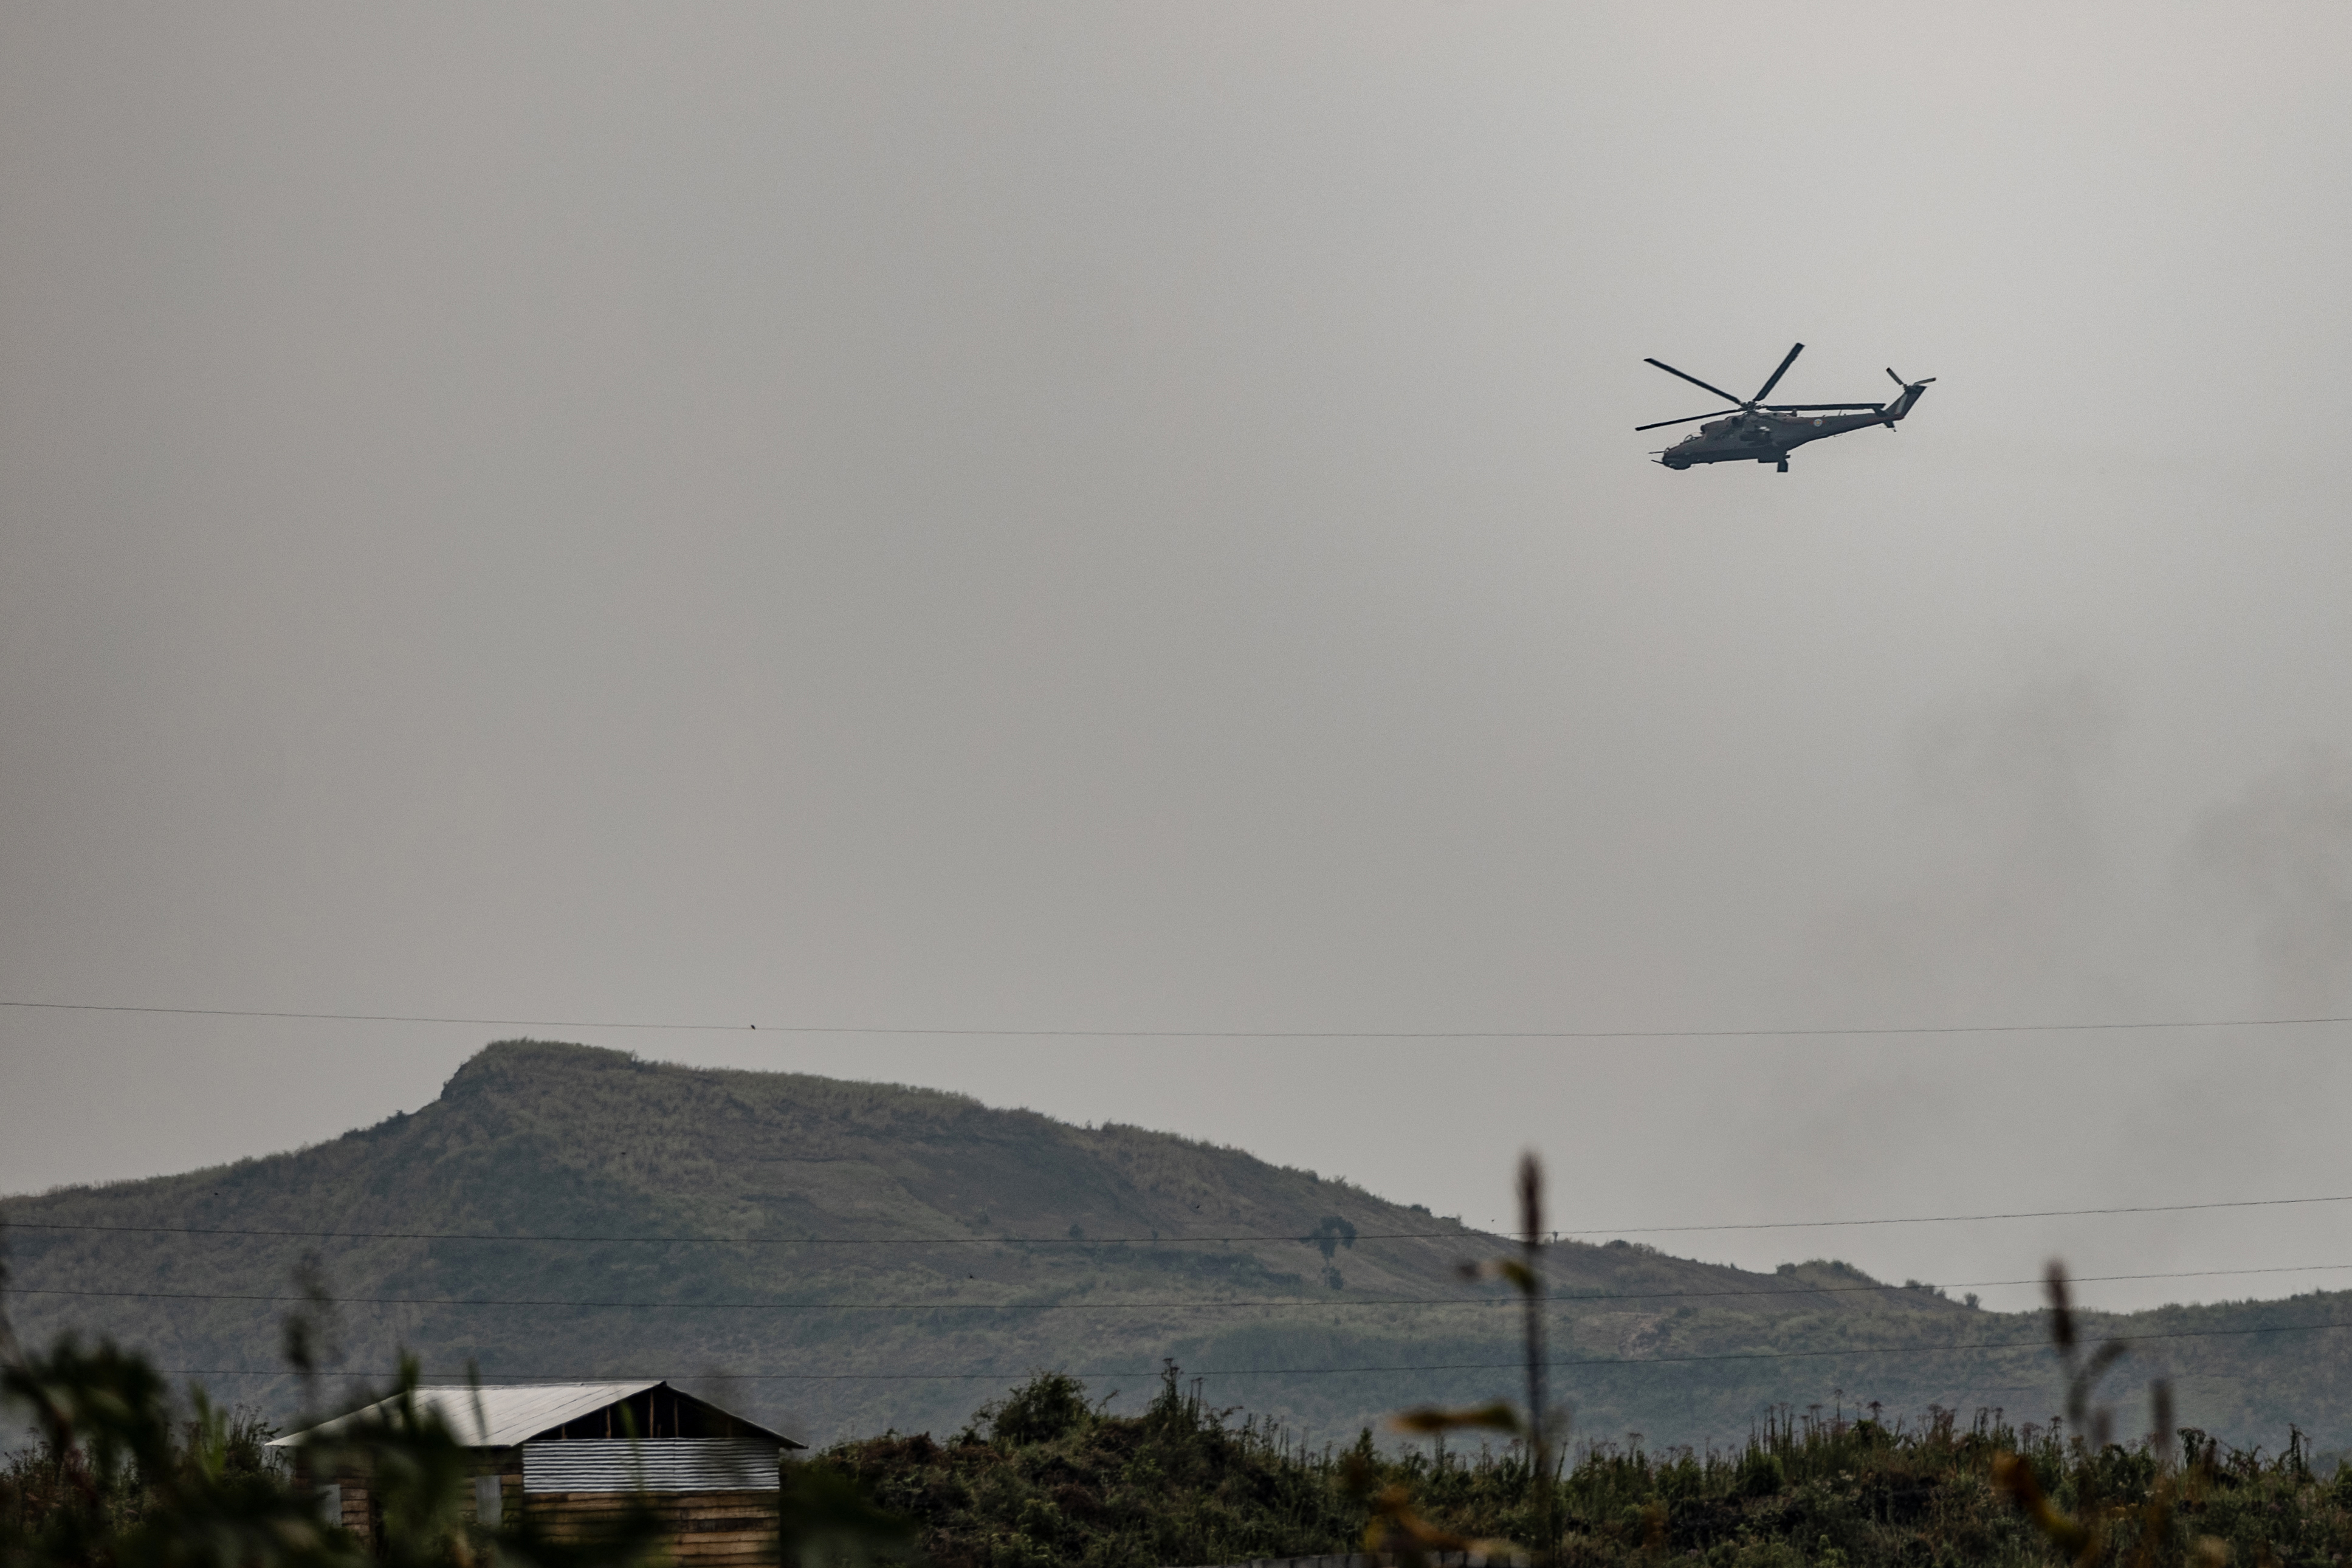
1129 517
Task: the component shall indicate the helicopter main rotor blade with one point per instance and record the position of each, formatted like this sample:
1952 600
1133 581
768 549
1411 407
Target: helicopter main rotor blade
1693 381
1815 407
1767 389
1661 424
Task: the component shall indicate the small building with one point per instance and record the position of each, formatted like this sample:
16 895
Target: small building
569 1457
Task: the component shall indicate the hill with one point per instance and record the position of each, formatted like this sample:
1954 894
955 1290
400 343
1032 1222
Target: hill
848 1258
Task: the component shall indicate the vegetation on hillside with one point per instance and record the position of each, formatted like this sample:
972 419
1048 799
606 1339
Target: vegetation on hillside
694 1203
1045 1476
1042 1477
1051 1481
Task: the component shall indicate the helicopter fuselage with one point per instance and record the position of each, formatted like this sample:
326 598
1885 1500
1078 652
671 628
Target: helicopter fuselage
1763 437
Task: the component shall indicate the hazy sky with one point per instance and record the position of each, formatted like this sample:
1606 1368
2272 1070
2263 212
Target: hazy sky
1129 517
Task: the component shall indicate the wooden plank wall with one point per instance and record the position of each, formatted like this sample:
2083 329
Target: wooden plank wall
354 1514
507 1464
357 1517
706 1529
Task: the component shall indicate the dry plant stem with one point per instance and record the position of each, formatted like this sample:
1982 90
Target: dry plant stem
2084 1536
1532 1290
1394 1527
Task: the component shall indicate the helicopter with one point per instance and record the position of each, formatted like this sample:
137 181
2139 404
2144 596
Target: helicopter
1763 432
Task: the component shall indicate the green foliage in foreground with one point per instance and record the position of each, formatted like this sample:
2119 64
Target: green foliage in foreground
1040 1478
113 1480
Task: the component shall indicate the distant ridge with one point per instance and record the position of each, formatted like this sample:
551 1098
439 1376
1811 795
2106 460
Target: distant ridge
532 1138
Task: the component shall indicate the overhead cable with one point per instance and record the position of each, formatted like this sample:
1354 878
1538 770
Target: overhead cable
1784 1032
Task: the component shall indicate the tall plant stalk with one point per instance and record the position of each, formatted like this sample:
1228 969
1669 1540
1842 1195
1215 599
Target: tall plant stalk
1532 1298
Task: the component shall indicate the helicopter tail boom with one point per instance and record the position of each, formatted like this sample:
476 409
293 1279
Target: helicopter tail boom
1912 390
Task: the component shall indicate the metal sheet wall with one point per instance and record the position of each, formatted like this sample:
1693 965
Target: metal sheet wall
652 1465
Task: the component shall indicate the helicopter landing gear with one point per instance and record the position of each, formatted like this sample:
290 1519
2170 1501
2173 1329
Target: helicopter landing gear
1784 465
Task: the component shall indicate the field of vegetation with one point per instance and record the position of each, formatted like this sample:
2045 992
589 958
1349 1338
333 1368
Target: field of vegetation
1040 1480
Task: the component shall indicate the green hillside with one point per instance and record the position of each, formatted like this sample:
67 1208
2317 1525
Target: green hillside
849 1258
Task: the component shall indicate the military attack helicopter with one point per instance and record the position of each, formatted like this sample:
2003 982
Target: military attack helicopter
1765 432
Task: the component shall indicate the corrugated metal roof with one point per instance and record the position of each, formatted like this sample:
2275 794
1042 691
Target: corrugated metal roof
499 1416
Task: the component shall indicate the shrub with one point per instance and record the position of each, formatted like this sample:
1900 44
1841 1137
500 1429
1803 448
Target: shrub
1048 1406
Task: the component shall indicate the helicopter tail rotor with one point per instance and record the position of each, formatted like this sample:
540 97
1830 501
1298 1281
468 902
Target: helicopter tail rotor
1912 392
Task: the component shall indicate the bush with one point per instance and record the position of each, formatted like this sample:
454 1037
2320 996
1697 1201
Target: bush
1049 1406
1761 1473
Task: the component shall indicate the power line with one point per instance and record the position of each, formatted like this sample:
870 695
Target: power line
1345 1370
1461 1234
1962 1218
1118 1034
1294 1303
